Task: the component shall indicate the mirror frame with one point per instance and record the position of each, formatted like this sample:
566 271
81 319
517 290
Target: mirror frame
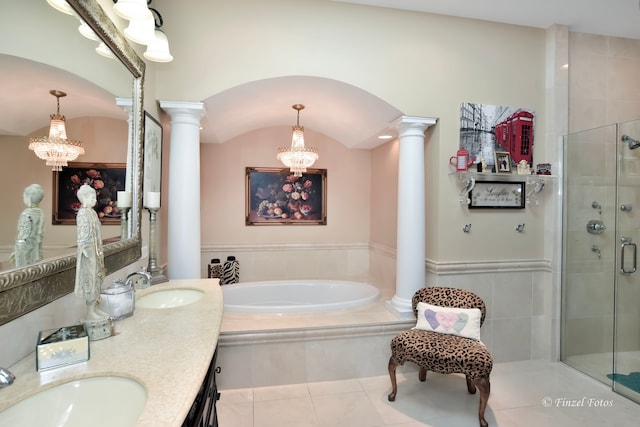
25 289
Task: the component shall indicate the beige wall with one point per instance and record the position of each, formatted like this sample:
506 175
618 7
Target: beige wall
223 190
422 64
384 184
604 85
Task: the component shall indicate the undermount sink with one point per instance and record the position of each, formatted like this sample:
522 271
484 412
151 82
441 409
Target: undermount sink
169 298
104 401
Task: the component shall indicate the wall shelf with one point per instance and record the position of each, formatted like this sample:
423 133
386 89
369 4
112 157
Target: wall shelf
534 184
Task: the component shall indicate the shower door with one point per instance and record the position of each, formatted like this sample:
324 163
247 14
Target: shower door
626 361
600 285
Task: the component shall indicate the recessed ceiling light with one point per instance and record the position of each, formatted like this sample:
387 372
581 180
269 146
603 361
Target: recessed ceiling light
385 137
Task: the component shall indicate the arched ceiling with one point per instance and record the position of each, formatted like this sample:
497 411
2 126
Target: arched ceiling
341 111
27 103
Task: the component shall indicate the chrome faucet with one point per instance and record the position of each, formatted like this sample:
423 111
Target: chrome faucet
6 378
142 274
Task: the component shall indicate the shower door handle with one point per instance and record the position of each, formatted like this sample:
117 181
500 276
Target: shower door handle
626 243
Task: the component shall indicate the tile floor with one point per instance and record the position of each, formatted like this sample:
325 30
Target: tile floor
530 393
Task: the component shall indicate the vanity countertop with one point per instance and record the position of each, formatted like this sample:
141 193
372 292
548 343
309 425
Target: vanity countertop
167 350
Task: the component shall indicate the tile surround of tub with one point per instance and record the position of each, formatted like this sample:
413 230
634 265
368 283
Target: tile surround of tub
274 349
304 360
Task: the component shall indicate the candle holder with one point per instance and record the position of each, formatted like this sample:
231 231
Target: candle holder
124 223
156 273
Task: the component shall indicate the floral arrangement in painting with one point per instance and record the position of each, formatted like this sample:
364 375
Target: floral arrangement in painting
106 188
288 197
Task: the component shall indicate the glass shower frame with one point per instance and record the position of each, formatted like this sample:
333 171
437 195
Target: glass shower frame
600 317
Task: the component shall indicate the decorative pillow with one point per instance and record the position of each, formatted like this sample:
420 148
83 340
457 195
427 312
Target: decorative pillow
463 322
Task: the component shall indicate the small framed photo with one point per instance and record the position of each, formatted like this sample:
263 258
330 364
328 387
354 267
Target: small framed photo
502 161
497 195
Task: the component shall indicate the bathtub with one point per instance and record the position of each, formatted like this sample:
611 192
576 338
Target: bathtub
280 296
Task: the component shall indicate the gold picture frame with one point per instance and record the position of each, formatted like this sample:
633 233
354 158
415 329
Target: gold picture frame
275 196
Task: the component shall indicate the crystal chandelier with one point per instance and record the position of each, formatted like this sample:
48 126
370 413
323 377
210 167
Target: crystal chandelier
297 157
56 149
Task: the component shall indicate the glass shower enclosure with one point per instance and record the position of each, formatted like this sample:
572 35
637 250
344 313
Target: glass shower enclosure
600 314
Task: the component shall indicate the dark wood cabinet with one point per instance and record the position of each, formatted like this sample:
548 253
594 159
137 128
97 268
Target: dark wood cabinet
203 411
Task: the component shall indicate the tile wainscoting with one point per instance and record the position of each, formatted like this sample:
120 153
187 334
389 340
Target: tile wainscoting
522 305
294 261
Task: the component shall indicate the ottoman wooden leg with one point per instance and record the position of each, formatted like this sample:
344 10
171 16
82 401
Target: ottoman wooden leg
422 375
392 375
485 388
470 385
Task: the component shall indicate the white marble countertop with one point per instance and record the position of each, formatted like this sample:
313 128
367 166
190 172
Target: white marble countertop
167 350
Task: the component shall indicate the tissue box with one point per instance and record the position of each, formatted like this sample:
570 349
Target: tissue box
62 346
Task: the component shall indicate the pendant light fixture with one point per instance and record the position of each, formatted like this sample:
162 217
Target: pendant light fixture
144 28
140 31
131 9
158 48
297 157
56 149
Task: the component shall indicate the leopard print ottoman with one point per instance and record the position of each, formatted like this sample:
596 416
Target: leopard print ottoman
444 353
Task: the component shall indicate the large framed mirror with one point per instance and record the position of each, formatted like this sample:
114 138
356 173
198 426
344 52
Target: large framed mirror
119 83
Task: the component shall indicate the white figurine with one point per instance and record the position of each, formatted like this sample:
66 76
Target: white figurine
90 270
28 246
523 168
483 162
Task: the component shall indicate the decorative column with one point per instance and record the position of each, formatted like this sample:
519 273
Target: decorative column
410 246
183 204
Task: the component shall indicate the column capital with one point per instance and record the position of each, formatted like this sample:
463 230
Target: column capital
125 103
404 123
195 109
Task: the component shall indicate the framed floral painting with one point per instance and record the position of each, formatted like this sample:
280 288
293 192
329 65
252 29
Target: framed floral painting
106 178
275 196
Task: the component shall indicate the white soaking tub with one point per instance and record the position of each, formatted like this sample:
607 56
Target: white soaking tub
279 296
